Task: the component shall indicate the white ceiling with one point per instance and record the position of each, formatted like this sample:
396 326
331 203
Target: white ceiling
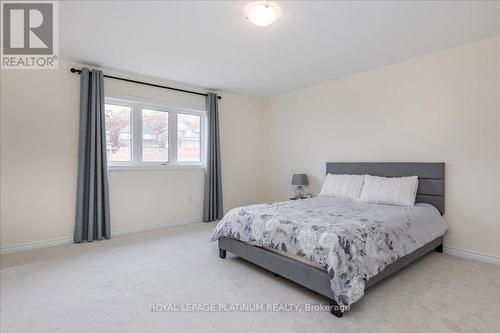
211 44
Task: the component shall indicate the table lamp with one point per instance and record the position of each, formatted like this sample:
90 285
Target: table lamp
300 179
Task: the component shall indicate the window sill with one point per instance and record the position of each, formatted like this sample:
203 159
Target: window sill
155 167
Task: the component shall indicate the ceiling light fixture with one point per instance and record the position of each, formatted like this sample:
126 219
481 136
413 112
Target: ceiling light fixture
262 13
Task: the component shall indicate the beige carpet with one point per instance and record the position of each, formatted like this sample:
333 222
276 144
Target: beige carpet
108 286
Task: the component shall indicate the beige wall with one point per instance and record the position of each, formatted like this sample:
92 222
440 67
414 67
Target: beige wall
441 107
39 144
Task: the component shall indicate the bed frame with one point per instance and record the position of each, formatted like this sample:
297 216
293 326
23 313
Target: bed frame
430 190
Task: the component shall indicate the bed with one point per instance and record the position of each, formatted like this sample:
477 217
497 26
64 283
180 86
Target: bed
339 247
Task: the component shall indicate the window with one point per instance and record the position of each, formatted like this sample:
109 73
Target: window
145 135
118 139
188 137
154 135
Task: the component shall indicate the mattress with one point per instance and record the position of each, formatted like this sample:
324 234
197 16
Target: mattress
353 241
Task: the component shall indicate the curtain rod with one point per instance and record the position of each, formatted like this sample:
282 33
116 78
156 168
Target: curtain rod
74 70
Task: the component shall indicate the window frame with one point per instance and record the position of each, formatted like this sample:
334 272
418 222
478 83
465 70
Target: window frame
137 105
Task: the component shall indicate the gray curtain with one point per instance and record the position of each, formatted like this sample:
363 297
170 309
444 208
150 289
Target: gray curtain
92 206
212 204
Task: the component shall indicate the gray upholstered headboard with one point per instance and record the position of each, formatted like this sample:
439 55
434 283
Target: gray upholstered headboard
430 176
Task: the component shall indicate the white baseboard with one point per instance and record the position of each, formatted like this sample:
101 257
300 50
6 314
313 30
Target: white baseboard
35 245
114 232
472 255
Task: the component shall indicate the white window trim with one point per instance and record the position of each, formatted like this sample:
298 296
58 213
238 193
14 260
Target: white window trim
136 105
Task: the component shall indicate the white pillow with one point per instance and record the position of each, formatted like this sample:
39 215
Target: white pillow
392 191
346 186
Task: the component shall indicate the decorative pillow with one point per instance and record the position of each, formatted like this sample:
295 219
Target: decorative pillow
346 186
390 190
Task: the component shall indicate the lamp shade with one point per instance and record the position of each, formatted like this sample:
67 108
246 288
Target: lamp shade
299 179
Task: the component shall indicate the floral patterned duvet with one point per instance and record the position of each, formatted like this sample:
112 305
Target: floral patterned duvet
352 240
